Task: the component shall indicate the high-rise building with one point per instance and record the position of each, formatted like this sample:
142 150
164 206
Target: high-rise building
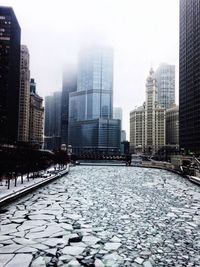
165 76
172 126
123 136
117 113
53 114
137 130
189 77
36 123
24 99
10 36
69 85
94 84
147 123
57 96
96 136
48 122
91 126
52 130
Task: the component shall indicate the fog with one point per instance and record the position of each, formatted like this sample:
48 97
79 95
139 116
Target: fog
142 33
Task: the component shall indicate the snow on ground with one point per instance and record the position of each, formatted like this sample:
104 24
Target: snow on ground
4 191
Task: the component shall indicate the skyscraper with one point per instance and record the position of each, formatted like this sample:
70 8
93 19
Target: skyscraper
53 114
94 84
36 123
91 126
48 125
117 113
24 105
69 85
52 128
10 35
172 126
189 78
165 76
147 123
123 136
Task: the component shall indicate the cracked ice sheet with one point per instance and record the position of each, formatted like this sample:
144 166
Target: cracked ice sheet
130 207
5 258
22 260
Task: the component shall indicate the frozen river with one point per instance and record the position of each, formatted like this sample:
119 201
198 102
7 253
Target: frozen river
105 216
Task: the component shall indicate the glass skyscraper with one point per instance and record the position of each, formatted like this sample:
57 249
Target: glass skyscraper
94 96
90 108
99 136
189 77
52 129
10 38
165 76
69 84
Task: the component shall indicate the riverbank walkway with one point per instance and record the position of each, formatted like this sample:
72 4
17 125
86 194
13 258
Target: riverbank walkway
28 185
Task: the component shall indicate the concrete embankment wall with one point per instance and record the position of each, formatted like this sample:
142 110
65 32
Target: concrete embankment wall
162 165
158 164
19 193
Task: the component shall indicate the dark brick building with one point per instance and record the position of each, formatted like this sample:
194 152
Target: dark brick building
10 34
189 83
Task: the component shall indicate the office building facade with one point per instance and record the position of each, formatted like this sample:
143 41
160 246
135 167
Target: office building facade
137 130
91 107
172 126
189 76
147 123
123 136
52 129
24 99
48 123
95 136
36 122
10 37
95 83
69 85
117 113
165 77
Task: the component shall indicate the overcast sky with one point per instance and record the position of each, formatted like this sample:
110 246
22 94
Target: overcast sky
143 33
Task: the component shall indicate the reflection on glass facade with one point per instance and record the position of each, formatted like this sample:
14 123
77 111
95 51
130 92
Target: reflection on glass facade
109 133
189 76
90 108
100 135
165 77
10 35
89 105
69 85
95 82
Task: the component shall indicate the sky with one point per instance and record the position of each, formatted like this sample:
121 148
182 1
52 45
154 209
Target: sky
143 34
